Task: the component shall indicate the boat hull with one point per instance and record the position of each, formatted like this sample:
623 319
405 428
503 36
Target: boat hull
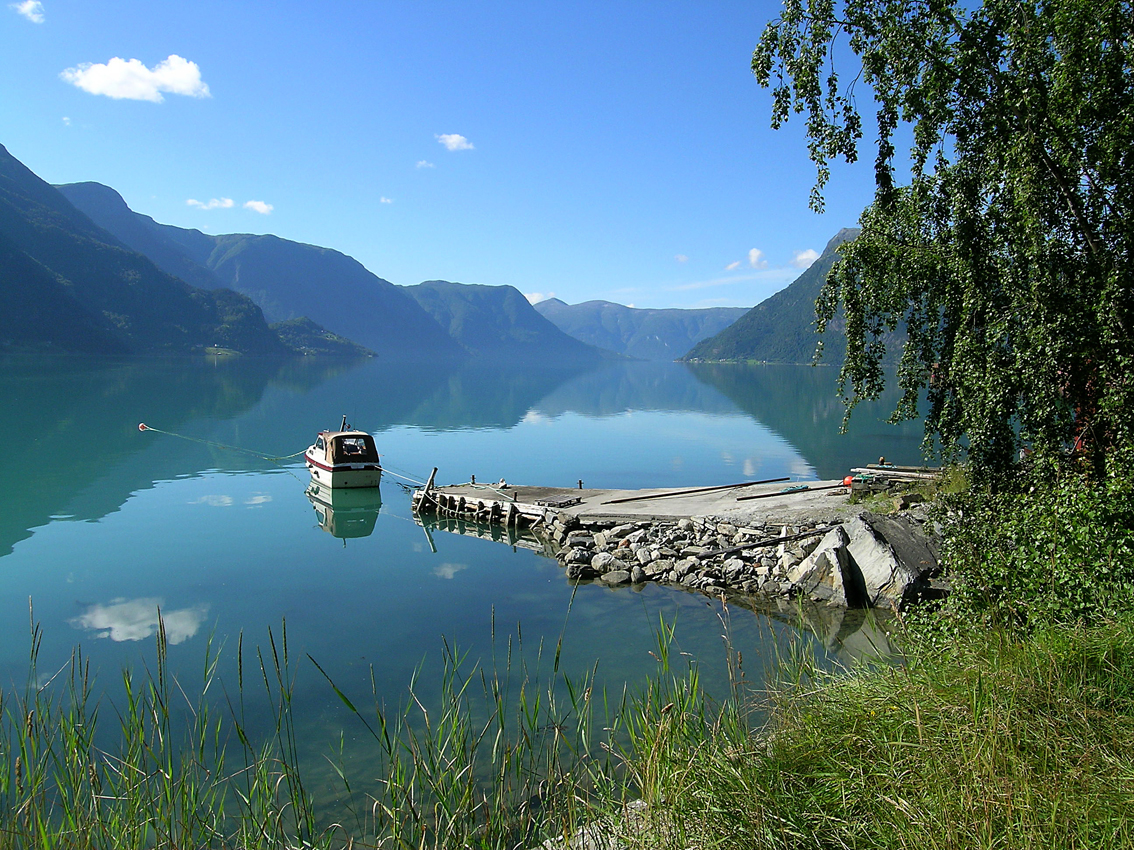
343 475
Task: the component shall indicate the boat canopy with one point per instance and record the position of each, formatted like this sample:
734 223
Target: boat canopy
347 447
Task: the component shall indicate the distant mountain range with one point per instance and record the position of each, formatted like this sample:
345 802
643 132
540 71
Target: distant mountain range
80 271
781 329
498 321
636 332
288 280
67 284
291 280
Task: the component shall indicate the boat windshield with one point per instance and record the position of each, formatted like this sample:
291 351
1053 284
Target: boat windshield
354 449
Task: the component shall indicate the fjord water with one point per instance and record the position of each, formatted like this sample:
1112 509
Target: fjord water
102 524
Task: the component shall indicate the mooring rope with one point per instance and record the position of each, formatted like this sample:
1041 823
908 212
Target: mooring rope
142 426
276 459
403 477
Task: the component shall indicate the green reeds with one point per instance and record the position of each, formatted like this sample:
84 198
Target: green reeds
150 770
997 740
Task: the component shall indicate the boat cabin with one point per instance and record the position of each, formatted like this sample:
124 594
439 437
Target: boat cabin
335 447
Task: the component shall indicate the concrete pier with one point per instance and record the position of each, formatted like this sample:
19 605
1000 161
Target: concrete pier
779 502
803 541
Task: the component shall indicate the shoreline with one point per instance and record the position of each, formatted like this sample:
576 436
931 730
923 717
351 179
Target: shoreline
763 540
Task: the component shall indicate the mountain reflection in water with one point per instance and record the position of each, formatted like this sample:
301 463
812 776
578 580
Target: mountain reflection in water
105 522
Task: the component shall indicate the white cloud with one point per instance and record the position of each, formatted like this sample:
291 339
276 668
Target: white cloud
455 142
536 297
425 163
131 80
214 204
804 259
756 259
385 200
66 121
733 266
681 258
258 500
30 9
258 206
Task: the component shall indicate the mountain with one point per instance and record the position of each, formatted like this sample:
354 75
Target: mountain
780 329
645 334
106 208
67 284
37 311
304 336
497 322
288 280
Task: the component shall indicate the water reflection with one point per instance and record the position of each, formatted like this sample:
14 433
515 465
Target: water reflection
800 404
345 512
92 406
137 619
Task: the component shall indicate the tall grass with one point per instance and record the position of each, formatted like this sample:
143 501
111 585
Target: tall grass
513 751
1000 741
168 779
995 740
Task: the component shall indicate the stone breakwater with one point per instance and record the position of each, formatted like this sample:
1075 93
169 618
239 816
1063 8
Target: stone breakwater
868 560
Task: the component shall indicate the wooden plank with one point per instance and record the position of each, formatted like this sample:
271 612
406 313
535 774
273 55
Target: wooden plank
789 492
695 490
878 467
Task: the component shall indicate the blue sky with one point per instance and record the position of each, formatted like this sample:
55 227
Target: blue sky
609 150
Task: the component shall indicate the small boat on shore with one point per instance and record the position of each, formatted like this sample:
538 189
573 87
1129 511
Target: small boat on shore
344 458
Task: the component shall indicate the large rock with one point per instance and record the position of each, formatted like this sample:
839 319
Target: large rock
602 562
826 575
893 558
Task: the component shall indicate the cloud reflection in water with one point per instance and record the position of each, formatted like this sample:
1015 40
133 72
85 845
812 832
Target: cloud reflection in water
137 619
449 570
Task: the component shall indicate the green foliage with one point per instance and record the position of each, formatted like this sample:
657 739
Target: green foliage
989 742
1009 256
1062 552
305 336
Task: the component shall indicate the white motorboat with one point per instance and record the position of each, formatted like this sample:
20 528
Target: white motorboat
344 458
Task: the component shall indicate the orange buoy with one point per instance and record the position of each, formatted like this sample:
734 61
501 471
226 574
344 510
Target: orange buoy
848 481
142 426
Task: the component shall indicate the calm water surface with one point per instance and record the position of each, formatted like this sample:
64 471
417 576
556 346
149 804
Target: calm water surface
102 524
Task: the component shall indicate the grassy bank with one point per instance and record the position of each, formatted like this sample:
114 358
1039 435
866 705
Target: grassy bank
1010 723
996 741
